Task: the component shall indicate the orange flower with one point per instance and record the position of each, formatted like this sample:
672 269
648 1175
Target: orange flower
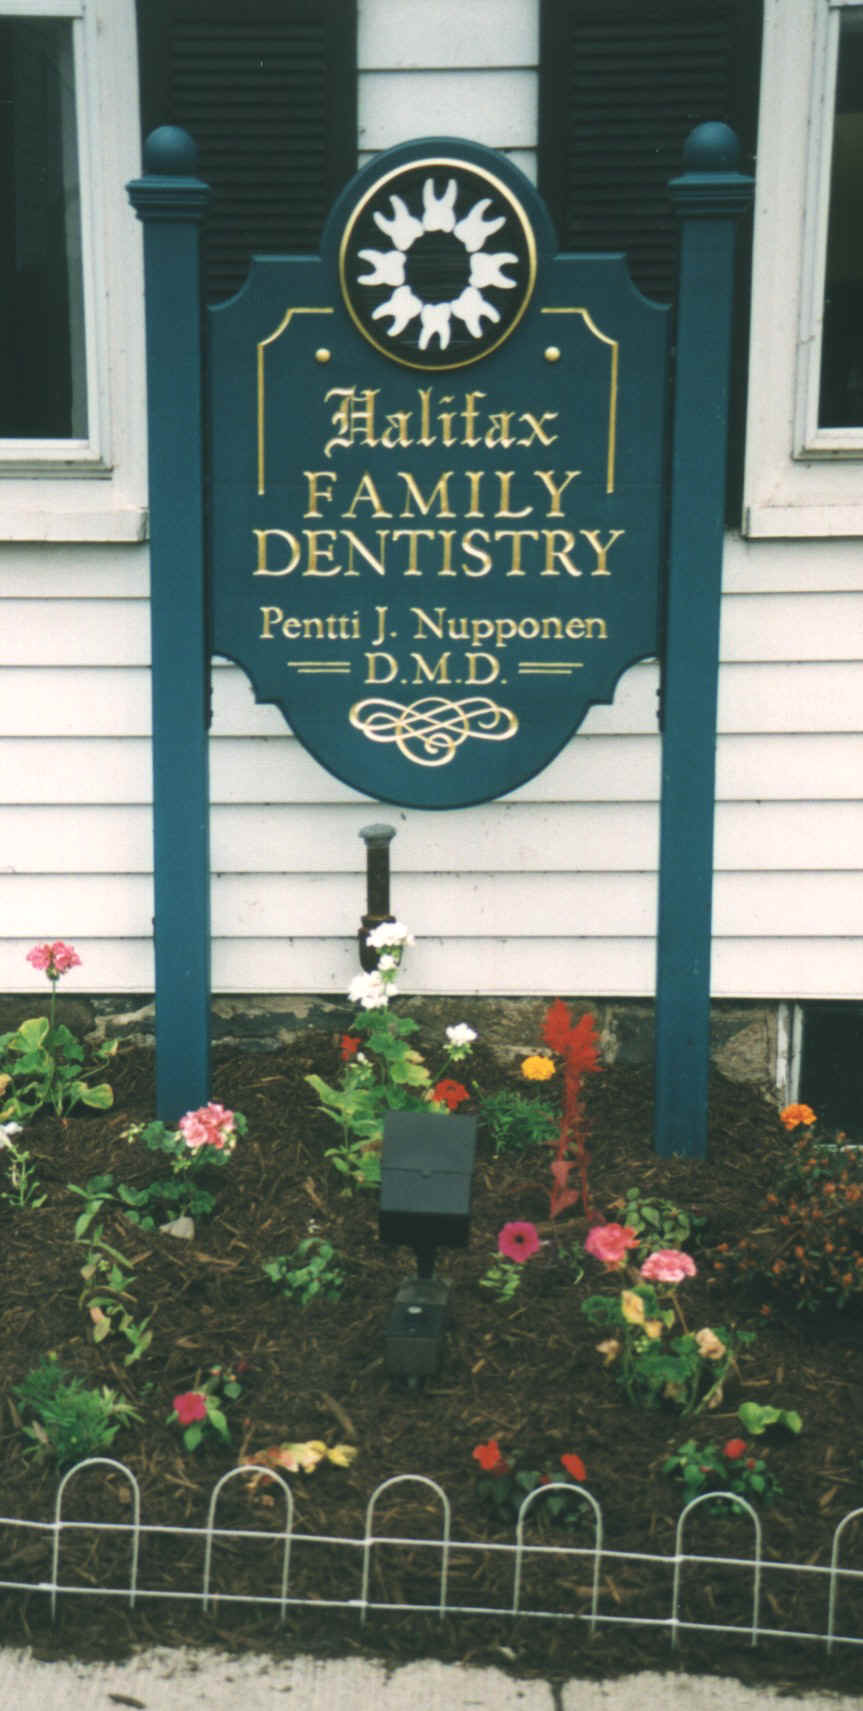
489 1457
794 1115
574 1466
537 1068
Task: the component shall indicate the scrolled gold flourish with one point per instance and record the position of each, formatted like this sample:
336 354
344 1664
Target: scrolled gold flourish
429 731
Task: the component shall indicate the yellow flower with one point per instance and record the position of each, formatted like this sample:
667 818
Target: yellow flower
609 1350
653 1328
709 1346
4 1082
341 1455
632 1307
537 1068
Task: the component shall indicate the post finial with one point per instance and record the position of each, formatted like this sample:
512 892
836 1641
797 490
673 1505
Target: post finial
169 149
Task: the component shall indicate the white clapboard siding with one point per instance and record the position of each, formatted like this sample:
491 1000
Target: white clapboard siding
498 108
73 571
394 36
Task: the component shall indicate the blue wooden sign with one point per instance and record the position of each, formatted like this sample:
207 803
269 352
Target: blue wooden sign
436 466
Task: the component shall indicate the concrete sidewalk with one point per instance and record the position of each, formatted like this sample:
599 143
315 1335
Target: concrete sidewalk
168 1680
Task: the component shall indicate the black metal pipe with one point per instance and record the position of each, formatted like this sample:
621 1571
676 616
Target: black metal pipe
377 839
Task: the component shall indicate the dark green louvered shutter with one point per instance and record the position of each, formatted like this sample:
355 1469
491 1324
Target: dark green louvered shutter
622 82
268 90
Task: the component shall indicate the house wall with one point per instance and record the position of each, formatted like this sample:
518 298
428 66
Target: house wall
552 889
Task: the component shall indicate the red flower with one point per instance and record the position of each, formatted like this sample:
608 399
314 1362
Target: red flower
189 1407
450 1093
557 1026
734 1449
574 1466
350 1044
489 1457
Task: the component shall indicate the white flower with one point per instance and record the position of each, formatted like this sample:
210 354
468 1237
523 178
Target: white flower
460 1034
388 934
370 990
386 963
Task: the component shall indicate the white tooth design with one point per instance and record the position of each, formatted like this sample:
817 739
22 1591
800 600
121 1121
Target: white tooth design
486 269
435 320
403 305
403 228
473 229
470 308
388 267
438 211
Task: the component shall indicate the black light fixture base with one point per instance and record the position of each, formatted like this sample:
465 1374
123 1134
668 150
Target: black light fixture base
413 1341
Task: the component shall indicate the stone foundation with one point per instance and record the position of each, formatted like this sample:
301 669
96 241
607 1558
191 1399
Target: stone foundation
743 1047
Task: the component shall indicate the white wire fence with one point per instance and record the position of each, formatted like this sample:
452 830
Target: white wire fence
593 1584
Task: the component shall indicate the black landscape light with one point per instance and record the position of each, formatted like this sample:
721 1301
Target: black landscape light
426 1168
377 840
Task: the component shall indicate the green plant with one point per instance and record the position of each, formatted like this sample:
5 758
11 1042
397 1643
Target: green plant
731 1468
311 1270
24 1186
381 1070
688 1371
43 1064
758 1418
808 1244
503 1277
72 1421
516 1122
657 1223
107 1275
202 1139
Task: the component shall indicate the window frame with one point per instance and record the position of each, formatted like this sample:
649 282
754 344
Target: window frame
94 488
800 480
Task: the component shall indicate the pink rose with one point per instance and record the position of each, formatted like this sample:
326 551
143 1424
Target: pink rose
667 1265
210 1126
518 1241
609 1243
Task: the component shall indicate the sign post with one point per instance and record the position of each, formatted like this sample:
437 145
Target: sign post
437 517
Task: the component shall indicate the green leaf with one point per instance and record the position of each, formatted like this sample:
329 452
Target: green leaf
100 1097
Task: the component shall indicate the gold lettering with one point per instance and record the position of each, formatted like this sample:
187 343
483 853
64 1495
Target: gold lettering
425 673
537 431
313 476
439 492
592 535
354 417
474 477
378 564
318 551
263 536
389 667
269 615
504 479
469 438
516 536
367 493
467 542
435 625
562 552
555 489
500 432
413 536
472 668
396 430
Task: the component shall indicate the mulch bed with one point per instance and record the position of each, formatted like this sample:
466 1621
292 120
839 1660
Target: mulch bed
526 1372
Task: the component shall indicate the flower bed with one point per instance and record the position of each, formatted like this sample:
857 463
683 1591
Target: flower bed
291 1358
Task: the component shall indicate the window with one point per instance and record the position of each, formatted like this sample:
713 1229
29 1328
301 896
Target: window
43 368
72 422
805 412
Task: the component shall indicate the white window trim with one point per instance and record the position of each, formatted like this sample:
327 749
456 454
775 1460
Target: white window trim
800 480
94 489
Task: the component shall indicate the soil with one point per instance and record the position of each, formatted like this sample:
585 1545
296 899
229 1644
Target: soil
525 1372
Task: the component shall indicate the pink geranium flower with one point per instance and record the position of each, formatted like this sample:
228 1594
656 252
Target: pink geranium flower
55 959
518 1241
667 1265
609 1243
210 1126
189 1407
